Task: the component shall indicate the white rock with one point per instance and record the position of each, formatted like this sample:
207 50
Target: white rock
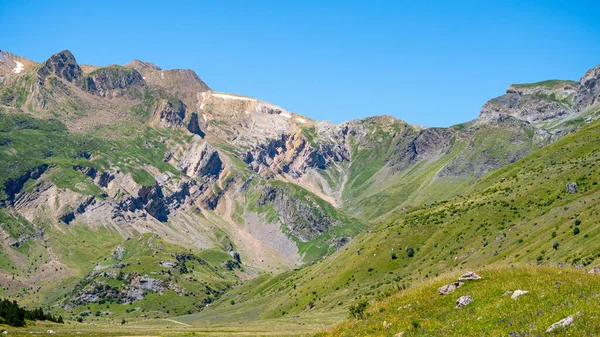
469 276
563 322
518 293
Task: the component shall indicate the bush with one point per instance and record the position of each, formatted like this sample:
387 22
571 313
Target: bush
555 245
577 222
410 251
394 256
358 310
576 231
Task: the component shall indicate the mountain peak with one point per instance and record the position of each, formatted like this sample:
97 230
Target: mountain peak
63 65
138 64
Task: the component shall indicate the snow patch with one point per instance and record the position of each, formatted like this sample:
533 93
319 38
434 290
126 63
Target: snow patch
301 120
286 115
225 96
162 75
204 116
19 68
143 77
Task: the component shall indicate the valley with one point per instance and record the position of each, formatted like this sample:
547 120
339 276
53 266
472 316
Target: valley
138 201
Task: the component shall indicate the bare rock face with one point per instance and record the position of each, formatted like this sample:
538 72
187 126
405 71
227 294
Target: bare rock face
169 114
463 300
63 65
116 81
303 219
201 160
589 89
292 154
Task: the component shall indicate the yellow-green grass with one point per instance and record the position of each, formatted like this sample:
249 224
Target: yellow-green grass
554 294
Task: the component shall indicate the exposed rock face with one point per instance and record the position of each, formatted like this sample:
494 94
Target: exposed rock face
589 89
13 186
532 104
182 83
115 81
201 160
169 114
304 219
63 65
292 154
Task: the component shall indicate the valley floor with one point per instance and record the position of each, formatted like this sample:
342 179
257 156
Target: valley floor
306 325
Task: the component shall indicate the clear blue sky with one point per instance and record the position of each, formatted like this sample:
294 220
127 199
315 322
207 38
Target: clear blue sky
427 62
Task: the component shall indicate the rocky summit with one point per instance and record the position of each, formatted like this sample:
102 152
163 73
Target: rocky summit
145 190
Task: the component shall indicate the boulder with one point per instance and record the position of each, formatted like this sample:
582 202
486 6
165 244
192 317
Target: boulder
563 322
449 288
571 187
518 293
463 300
469 276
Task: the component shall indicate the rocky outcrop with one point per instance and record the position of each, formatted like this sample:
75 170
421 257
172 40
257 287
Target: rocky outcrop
13 186
535 104
169 114
63 65
304 219
293 154
589 89
201 160
450 288
116 81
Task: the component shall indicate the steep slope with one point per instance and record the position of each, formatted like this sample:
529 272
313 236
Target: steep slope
123 154
552 295
522 214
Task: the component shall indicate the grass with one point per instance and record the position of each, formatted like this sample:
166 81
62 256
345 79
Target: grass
550 84
420 311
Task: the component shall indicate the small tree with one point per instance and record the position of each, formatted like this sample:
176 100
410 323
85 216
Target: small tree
577 222
576 231
123 321
555 245
394 256
410 251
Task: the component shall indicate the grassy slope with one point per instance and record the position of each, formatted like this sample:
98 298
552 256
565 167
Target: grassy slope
374 189
420 311
508 217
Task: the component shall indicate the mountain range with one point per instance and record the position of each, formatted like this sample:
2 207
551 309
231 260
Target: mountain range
145 189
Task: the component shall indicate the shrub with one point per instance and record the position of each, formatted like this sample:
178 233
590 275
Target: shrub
358 310
555 245
576 231
577 222
410 251
394 256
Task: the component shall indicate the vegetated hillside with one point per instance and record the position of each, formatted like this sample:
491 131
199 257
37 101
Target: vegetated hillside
521 214
553 294
218 188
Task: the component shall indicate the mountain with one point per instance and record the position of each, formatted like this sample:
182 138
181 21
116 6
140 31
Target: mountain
138 186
